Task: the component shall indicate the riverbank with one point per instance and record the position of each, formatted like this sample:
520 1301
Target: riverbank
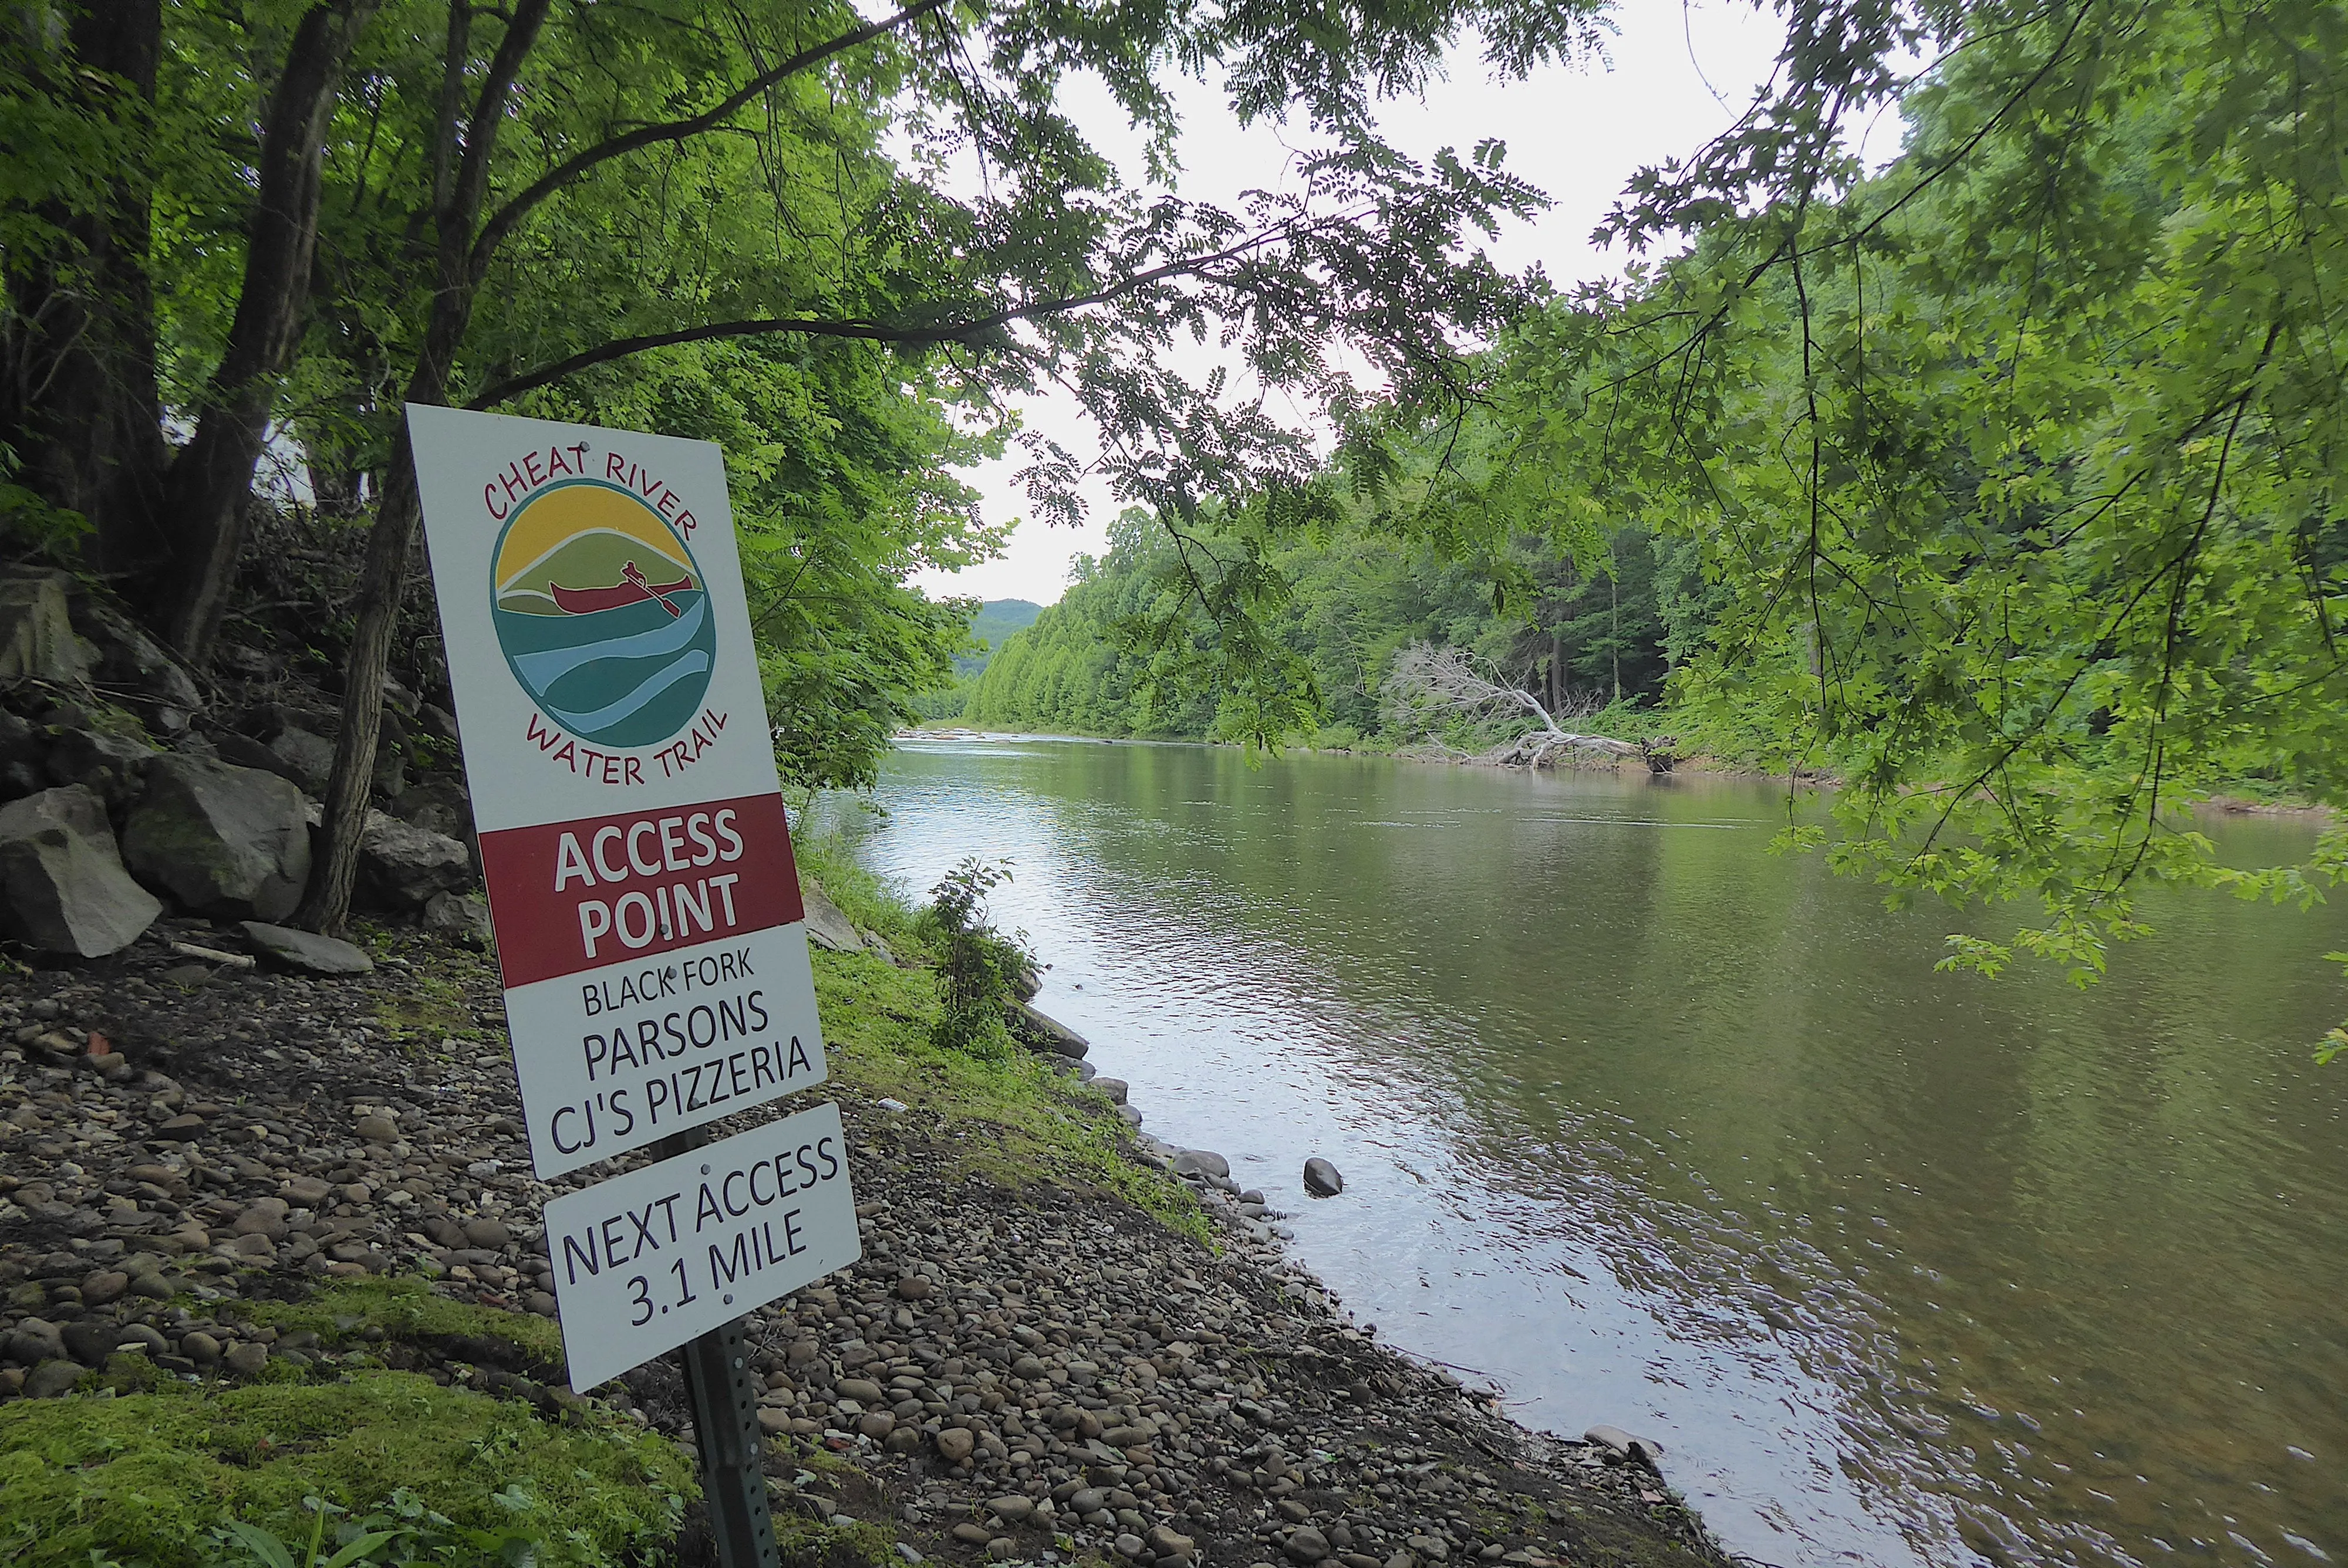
279 1239
2219 805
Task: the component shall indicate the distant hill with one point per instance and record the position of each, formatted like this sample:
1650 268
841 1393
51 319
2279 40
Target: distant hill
996 620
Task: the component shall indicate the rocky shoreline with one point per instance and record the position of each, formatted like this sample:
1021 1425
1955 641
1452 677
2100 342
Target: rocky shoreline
1028 1370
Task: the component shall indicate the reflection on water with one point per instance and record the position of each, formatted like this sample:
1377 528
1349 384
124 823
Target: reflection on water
1655 1128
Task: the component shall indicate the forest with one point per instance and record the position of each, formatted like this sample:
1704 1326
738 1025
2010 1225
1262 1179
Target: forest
1596 641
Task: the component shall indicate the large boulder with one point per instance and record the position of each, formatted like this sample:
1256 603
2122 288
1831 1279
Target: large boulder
442 808
403 866
306 758
224 840
36 634
459 917
1046 1033
63 888
24 755
247 753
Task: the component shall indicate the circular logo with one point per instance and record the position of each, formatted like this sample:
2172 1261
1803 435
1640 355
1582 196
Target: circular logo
603 616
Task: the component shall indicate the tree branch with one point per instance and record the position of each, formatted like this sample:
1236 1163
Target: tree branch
493 233
966 332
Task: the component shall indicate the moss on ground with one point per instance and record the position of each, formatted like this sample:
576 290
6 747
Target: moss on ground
408 1311
145 1477
803 1544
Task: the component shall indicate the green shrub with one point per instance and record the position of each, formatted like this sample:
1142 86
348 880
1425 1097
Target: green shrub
978 968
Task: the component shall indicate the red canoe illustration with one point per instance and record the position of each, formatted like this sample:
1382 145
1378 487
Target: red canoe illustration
634 591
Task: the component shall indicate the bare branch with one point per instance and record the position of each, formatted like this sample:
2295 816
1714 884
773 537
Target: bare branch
1427 682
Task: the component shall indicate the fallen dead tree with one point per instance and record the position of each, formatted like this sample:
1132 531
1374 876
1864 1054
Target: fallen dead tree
1428 684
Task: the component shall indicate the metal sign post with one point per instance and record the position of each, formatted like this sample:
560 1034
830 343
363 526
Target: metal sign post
649 925
723 1399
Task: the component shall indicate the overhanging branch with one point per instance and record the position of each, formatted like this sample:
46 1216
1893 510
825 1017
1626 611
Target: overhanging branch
937 334
569 170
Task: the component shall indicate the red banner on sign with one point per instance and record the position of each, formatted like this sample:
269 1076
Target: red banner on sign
574 896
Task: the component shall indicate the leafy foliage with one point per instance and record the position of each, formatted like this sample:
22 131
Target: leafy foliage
2017 468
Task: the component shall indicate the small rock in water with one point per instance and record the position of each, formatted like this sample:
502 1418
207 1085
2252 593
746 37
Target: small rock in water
1320 1178
1623 1445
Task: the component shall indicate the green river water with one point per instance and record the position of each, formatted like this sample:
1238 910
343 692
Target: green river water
1646 1125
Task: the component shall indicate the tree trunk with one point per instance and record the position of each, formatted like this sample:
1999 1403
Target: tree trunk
391 542
210 480
78 400
459 188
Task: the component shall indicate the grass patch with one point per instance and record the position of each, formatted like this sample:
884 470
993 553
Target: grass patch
1017 1118
408 1311
146 1478
426 1009
873 903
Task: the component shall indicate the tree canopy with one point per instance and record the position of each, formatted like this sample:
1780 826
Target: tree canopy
835 242
2019 464
2004 486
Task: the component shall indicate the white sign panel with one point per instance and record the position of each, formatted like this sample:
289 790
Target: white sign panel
633 838
645 1261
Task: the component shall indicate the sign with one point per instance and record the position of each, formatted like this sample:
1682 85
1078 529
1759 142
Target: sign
650 1259
633 838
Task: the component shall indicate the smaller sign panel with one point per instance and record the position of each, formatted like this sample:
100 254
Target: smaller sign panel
647 1260
612 1059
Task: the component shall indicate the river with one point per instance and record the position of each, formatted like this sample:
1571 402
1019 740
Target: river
1647 1125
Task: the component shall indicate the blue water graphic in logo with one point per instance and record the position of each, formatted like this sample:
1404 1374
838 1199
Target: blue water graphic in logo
603 615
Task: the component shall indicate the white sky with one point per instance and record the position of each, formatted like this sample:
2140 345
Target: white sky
1676 76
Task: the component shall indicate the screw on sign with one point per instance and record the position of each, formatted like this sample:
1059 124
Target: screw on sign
646 907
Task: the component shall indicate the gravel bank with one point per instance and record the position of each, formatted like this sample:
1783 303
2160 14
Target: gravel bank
1029 1370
